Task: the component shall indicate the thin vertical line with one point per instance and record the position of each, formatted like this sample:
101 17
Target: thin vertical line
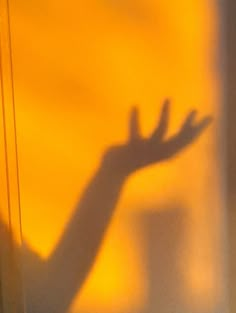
14 116
15 136
5 139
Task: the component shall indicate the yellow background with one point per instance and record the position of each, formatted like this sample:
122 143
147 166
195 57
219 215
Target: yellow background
79 66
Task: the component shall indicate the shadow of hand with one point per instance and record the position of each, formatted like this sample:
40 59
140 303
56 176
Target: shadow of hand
139 152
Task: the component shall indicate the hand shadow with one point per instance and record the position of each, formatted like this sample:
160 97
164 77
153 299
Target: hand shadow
52 285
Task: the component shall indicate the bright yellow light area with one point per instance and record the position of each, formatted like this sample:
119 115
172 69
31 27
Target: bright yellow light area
79 67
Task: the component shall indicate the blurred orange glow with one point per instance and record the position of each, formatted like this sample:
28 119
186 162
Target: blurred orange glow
79 67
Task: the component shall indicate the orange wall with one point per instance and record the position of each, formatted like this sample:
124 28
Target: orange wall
79 66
